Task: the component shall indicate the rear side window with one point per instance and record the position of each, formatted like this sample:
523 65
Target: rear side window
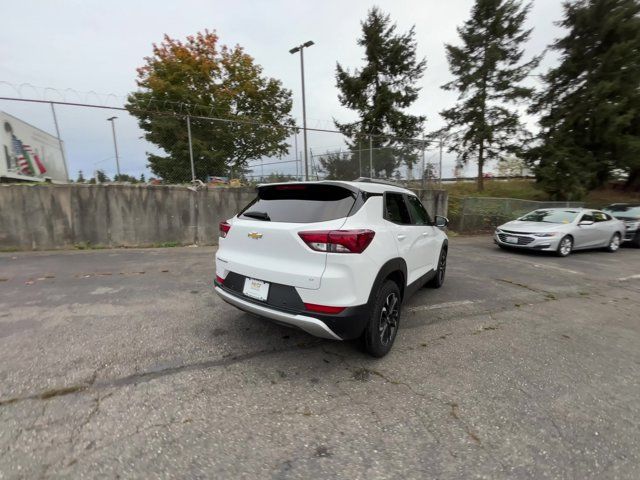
419 214
395 209
294 203
601 216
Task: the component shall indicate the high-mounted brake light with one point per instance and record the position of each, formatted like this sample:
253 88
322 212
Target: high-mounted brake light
291 187
224 229
338 241
312 307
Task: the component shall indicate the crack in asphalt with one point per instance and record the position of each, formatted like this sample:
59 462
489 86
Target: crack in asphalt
357 373
147 376
455 413
521 285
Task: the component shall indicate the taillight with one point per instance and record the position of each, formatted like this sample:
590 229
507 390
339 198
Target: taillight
312 307
338 241
219 279
224 229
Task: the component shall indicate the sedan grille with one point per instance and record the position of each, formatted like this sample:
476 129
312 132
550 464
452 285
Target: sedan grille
521 240
517 233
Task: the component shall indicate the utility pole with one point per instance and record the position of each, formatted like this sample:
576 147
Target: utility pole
193 166
440 166
300 49
295 151
359 156
370 155
64 160
115 143
423 163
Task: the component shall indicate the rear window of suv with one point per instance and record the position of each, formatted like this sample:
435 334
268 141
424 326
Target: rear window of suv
299 203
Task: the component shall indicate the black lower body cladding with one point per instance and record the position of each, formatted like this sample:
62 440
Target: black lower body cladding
348 324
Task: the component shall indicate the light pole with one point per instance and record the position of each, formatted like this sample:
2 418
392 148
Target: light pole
300 49
115 143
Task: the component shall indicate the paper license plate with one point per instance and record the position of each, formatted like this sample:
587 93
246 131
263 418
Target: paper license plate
256 289
512 239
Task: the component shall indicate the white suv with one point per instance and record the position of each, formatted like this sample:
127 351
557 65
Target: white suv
335 259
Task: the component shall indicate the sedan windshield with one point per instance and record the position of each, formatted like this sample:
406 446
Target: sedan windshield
550 216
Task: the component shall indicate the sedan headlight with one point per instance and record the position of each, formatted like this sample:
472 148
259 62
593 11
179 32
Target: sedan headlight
546 234
632 225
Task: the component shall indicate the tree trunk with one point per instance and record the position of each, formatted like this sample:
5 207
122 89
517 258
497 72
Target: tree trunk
480 167
633 180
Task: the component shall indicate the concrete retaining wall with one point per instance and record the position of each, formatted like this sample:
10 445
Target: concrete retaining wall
42 217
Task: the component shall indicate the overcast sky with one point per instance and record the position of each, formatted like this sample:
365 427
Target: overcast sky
96 46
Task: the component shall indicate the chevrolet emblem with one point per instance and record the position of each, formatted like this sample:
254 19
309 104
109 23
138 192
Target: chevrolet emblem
254 235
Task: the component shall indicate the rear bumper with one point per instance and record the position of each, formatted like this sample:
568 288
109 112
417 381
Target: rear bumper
308 324
346 325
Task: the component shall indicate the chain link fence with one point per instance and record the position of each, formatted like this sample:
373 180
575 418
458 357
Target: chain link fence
481 214
179 145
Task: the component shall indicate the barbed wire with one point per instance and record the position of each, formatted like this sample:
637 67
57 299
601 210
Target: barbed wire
165 107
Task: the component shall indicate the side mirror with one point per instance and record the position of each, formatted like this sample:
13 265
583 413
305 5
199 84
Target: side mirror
585 222
441 221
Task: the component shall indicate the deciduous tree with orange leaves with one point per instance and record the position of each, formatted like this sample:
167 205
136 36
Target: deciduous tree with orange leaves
201 78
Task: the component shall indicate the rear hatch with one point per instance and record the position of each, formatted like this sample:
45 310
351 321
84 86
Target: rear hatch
263 241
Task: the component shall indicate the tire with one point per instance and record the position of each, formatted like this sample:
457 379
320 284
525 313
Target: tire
441 270
614 243
382 328
565 246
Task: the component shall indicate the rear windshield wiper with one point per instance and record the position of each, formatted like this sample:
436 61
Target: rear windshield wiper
258 215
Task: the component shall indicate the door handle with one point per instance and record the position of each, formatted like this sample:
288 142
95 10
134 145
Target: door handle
401 237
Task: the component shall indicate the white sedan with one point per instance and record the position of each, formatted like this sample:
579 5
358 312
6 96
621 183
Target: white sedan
561 230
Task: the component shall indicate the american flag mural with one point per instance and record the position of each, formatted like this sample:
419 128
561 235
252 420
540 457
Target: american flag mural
21 157
29 153
36 159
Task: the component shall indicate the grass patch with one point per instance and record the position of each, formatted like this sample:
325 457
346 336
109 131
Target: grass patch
524 189
604 196
529 190
484 215
88 246
168 244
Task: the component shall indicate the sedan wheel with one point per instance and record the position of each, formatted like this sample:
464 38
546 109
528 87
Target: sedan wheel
614 243
565 247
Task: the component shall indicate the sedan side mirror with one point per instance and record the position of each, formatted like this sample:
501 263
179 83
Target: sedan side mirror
585 222
441 221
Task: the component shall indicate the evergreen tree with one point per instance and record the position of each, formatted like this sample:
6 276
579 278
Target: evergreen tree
429 172
590 123
80 177
123 177
340 166
101 177
142 179
379 93
488 70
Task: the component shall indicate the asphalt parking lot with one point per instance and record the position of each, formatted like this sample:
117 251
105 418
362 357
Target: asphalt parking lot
123 363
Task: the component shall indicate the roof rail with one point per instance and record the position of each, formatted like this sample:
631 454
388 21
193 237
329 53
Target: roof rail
378 180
